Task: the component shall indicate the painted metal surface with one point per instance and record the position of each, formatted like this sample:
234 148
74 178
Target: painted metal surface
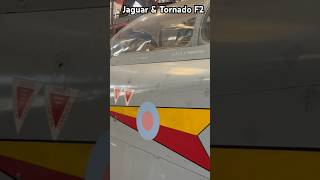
39 159
53 47
61 48
169 86
266 69
177 81
98 167
176 131
264 164
134 158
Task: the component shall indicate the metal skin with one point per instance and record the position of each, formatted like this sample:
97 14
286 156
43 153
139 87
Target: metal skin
169 78
60 44
267 73
266 96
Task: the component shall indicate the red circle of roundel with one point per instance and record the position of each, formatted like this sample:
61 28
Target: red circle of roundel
147 121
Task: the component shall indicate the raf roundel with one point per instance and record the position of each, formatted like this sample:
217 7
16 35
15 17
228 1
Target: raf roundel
148 122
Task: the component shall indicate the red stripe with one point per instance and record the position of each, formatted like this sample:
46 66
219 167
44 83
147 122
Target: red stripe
28 171
127 120
185 144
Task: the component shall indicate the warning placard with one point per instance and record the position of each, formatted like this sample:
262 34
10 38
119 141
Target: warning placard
23 94
59 103
128 94
116 94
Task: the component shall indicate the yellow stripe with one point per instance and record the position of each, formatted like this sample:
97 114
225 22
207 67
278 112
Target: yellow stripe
191 121
241 164
63 157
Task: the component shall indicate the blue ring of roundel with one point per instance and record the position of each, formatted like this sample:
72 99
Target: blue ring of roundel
148 135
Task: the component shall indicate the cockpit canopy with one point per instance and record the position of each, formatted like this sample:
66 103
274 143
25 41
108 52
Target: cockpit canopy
155 31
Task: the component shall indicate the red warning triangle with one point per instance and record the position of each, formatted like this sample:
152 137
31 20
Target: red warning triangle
24 92
116 94
128 94
58 105
23 97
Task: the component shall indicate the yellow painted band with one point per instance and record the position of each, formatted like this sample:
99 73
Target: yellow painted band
191 121
68 158
251 164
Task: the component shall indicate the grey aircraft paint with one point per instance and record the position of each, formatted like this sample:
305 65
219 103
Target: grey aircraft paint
171 77
60 44
55 43
266 73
